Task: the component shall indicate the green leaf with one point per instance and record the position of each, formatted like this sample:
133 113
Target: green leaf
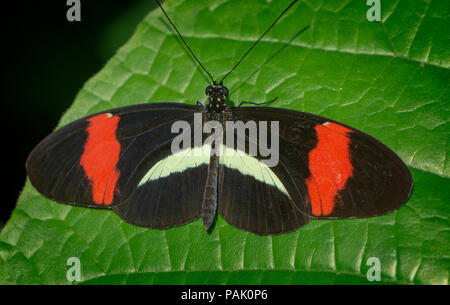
389 79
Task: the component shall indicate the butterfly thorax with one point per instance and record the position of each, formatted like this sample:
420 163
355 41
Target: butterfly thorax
217 95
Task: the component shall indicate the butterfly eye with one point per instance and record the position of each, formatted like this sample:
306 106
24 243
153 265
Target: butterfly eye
208 90
225 91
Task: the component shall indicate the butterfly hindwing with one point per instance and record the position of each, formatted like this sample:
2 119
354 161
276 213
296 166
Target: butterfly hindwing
255 195
166 189
163 202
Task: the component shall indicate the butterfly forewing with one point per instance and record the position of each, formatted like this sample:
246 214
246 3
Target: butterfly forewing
90 161
164 201
339 172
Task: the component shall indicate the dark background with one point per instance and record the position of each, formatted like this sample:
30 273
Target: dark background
46 61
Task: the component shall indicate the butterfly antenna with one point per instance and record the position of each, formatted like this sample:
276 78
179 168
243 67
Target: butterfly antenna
185 43
269 59
256 42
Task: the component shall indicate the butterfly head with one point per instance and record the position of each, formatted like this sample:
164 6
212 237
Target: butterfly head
217 95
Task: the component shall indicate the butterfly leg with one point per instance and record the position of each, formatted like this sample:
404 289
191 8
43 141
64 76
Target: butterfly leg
200 104
253 103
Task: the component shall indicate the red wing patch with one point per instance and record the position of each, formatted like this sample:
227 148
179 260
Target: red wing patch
100 156
330 167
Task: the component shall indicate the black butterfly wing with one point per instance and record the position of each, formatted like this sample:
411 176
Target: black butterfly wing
255 202
257 197
97 161
163 188
328 169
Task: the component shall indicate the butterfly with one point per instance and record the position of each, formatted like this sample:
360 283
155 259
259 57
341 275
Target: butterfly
123 159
